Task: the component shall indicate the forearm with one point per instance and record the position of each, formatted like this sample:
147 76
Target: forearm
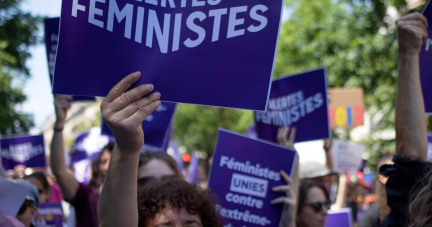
118 204
329 160
411 135
65 178
57 154
342 192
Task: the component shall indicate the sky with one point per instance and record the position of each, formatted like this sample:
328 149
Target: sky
38 90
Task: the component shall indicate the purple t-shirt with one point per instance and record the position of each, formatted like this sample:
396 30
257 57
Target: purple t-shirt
86 203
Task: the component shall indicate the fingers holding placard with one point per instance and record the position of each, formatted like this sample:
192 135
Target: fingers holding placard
285 140
124 111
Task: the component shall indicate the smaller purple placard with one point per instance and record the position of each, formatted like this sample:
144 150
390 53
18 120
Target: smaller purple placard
299 100
52 26
156 126
49 215
339 218
25 150
425 67
243 173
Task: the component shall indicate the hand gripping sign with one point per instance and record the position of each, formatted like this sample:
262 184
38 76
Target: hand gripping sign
206 52
243 173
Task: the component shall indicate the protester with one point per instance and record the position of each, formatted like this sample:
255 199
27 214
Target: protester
156 165
288 218
313 204
318 172
83 197
39 180
29 209
124 113
171 201
409 175
378 210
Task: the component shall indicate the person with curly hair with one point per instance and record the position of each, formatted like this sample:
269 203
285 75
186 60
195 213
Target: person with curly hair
167 202
171 201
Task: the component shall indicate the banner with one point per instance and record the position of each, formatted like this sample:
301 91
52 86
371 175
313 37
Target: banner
12 196
155 127
243 173
425 67
214 52
346 107
299 100
347 157
51 40
339 218
49 215
28 151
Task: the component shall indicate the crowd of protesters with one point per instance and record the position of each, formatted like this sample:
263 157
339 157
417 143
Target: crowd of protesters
130 188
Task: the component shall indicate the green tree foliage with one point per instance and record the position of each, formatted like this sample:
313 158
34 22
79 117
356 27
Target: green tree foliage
196 127
354 39
17 33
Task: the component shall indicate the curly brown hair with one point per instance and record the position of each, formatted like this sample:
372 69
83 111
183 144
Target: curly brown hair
174 192
420 208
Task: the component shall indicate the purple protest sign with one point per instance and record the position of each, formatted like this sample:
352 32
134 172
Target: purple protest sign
25 150
52 26
217 53
176 155
339 218
156 126
193 174
425 69
243 173
429 153
12 196
49 214
299 100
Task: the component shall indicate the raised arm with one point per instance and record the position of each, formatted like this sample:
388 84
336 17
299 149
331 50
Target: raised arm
328 154
65 178
288 218
124 113
411 135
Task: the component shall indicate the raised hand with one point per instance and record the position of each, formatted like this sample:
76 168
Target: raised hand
62 104
124 111
412 33
282 137
289 201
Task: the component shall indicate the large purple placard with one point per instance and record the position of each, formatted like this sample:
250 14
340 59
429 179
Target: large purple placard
425 66
243 173
49 214
51 40
26 150
214 52
339 218
299 100
156 126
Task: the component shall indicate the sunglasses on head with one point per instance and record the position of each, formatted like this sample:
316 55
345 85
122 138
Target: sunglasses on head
318 207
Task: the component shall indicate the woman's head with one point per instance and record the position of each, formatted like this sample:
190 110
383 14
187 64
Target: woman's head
39 180
104 158
420 208
313 204
171 201
156 165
